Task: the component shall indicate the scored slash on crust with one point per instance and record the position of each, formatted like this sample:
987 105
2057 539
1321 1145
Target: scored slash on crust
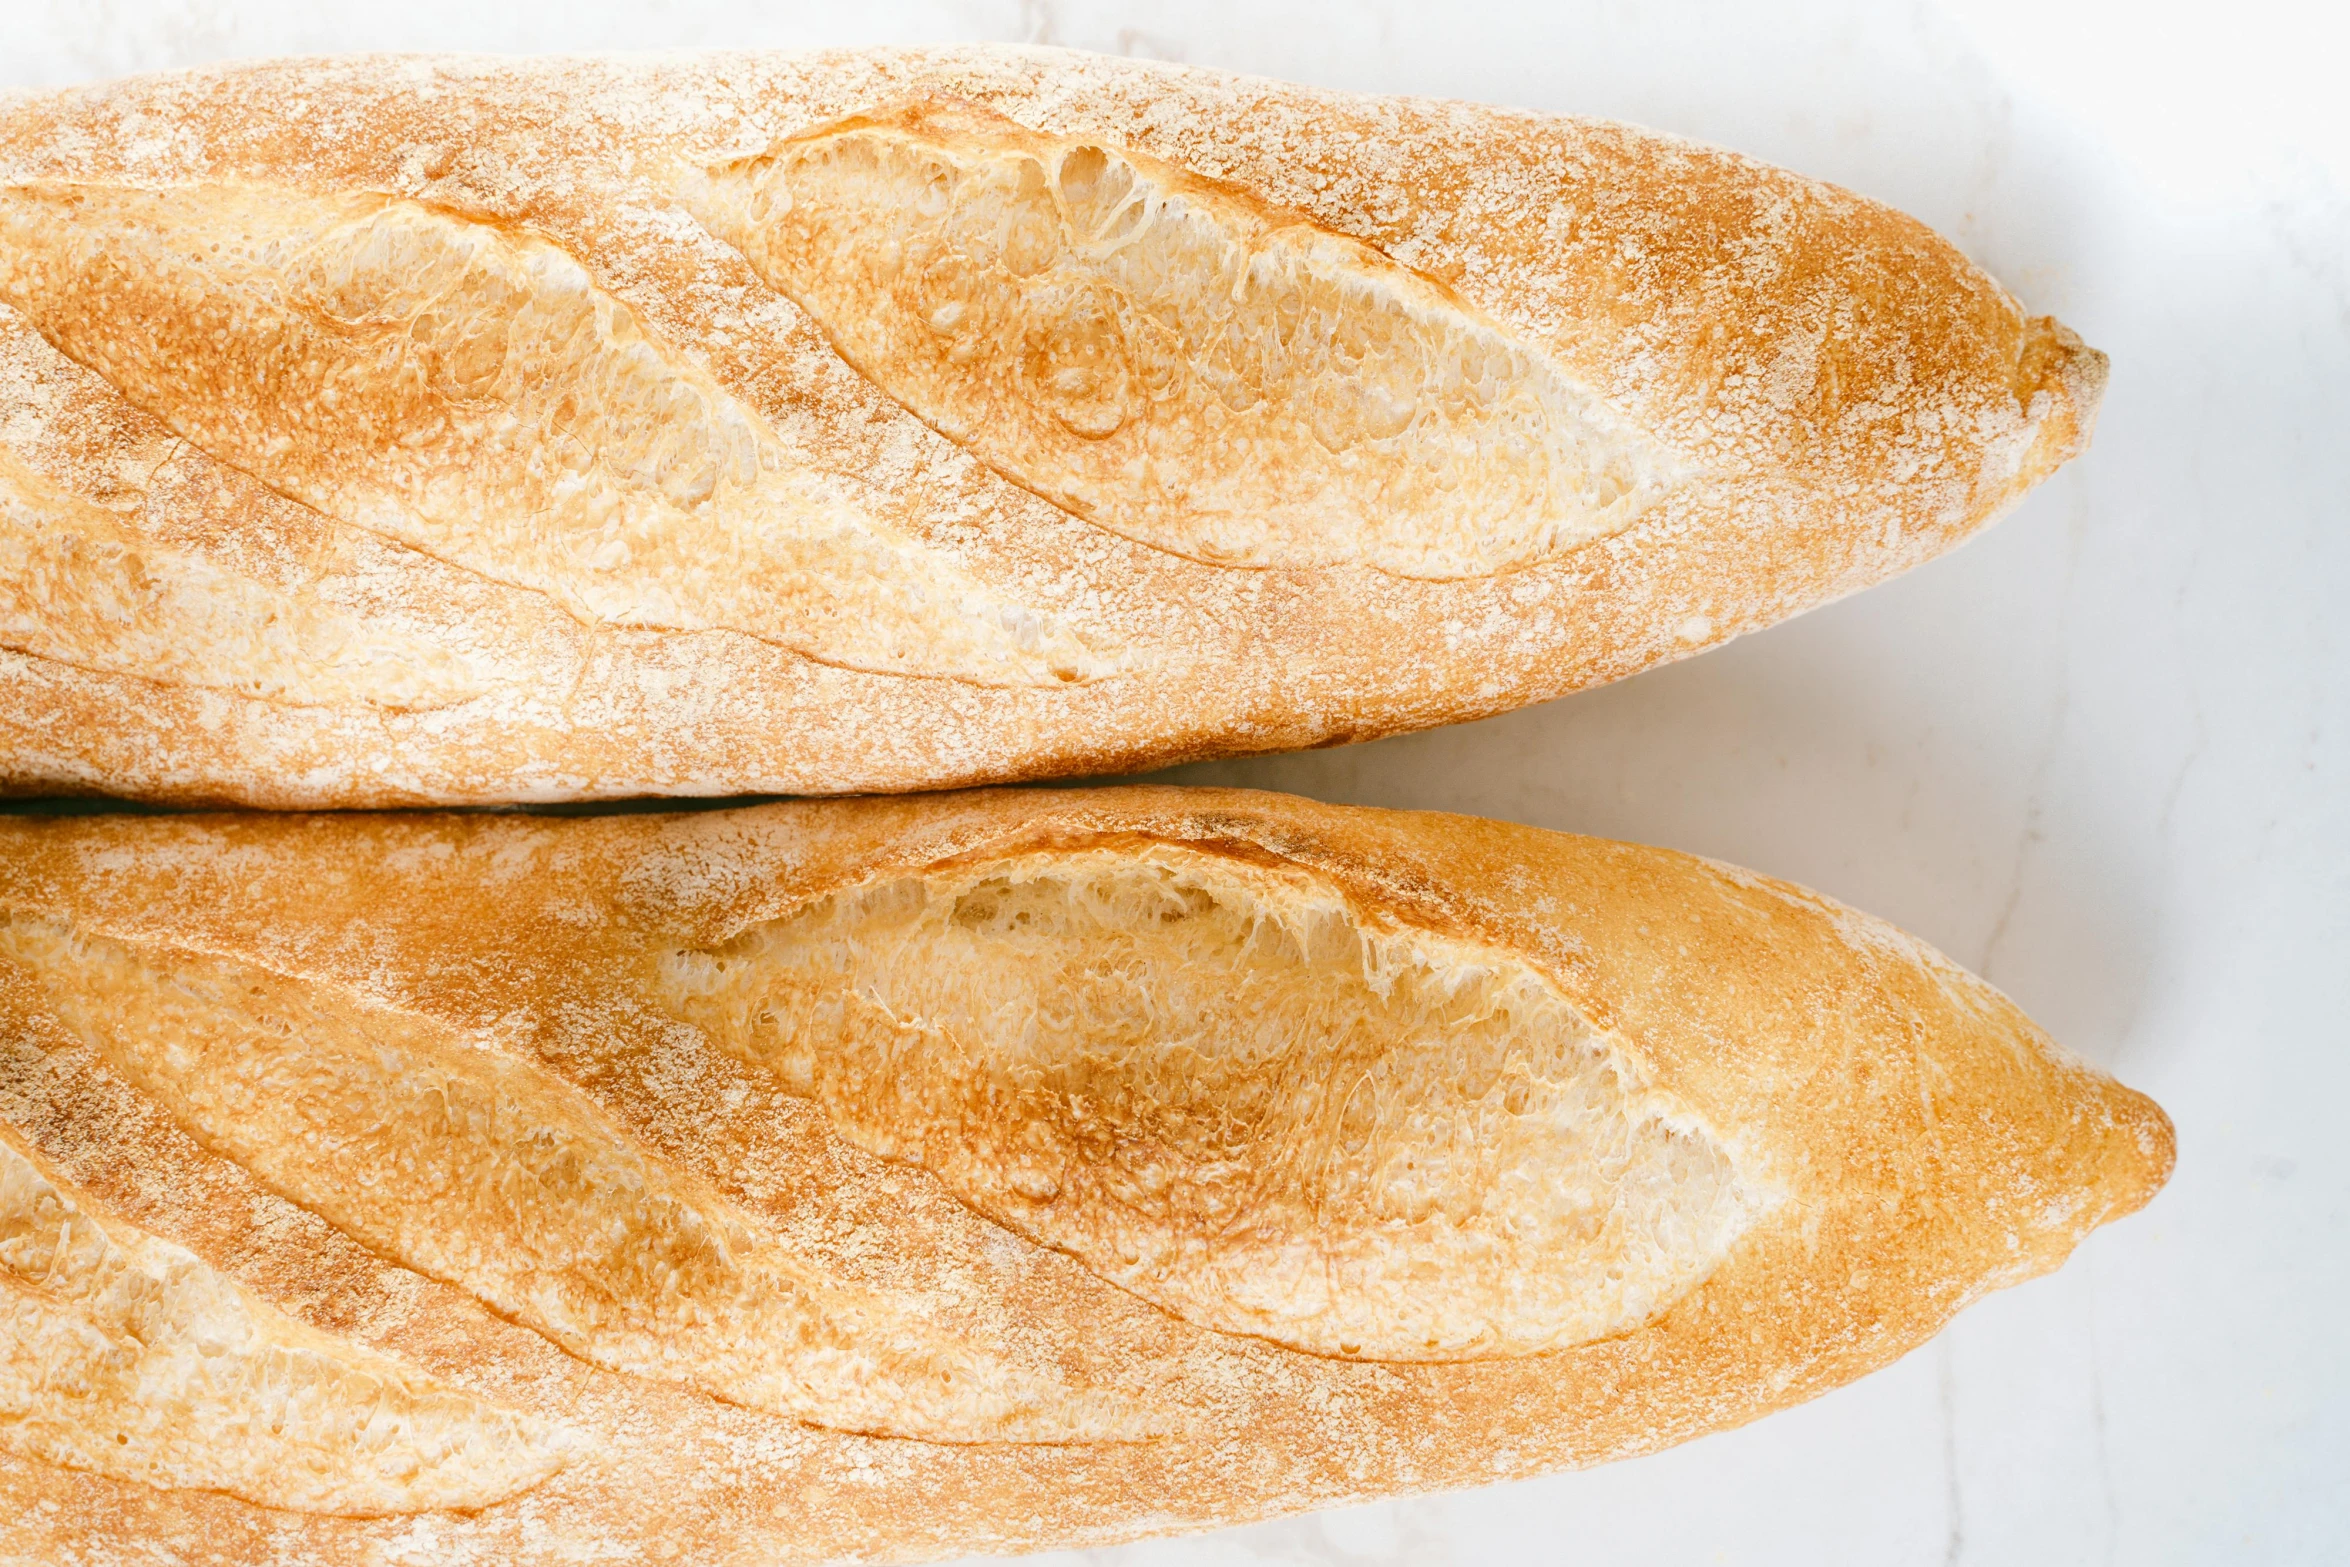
1173 359
471 391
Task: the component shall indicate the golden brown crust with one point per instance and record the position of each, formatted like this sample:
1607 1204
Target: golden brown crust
1901 1140
1726 393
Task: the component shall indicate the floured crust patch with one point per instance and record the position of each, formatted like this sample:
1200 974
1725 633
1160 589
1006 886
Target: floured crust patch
80 585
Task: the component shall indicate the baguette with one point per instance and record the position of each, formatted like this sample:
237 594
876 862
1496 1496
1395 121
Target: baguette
896 1178
396 431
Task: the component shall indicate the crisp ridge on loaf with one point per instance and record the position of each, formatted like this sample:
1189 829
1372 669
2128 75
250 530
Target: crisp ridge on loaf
874 421
123 1354
899 1178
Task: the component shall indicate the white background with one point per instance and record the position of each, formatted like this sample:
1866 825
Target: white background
2101 755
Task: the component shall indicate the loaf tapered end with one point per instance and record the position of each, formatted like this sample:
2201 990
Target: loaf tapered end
2060 381
2143 1151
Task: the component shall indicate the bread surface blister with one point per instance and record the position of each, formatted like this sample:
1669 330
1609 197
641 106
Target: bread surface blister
898 1178
381 432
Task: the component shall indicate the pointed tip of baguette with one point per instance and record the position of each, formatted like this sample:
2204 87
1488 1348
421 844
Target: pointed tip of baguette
2060 381
2145 1150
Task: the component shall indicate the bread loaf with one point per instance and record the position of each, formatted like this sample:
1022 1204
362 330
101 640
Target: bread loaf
397 431
904 1177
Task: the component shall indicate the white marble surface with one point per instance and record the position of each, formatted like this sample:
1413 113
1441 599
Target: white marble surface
2101 755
